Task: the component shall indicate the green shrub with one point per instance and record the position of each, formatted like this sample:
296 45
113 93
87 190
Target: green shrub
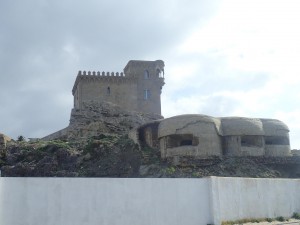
280 218
195 174
52 145
249 220
296 216
170 170
21 138
269 220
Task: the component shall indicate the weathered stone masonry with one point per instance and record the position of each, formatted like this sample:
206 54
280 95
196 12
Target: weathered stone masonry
138 88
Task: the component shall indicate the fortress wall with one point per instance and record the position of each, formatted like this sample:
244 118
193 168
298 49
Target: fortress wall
127 89
153 104
127 92
120 93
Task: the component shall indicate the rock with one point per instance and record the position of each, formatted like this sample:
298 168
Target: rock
146 170
87 157
3 141
97 118
18 170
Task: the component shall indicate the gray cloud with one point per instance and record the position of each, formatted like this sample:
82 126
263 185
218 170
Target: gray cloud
44 43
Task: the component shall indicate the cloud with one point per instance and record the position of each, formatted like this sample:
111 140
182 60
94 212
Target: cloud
43 44
242 62
223 58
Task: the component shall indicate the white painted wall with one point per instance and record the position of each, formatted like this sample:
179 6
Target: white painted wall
113 201
238 198
117 201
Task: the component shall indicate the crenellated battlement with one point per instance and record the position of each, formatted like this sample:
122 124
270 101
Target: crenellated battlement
105 74
92 76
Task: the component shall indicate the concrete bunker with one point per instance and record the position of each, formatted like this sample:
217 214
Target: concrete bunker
205 136
189 135
277 142
242 136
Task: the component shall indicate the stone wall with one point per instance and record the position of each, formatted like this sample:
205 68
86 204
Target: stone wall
122 92
137 89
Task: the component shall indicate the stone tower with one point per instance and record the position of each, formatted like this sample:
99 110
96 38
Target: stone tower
138 88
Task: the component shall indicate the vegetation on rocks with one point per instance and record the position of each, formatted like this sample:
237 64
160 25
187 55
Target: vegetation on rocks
96 145
114 155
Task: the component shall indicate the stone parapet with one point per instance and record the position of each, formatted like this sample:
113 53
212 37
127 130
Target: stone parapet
103 77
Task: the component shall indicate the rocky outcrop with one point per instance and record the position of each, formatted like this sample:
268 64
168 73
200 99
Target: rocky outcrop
113 155
97 144
103 156
100 117
3 141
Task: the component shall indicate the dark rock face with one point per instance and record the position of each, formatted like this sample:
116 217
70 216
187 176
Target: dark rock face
97 118
105 117
104 156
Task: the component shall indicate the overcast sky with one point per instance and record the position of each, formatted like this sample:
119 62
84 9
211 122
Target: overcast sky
222 58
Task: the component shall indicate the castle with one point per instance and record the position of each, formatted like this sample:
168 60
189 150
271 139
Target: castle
138 88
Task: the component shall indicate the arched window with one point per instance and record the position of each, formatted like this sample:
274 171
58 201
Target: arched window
108 91
158 73
146 74
147 94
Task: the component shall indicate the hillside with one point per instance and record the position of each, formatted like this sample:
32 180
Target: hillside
96 145
110 155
